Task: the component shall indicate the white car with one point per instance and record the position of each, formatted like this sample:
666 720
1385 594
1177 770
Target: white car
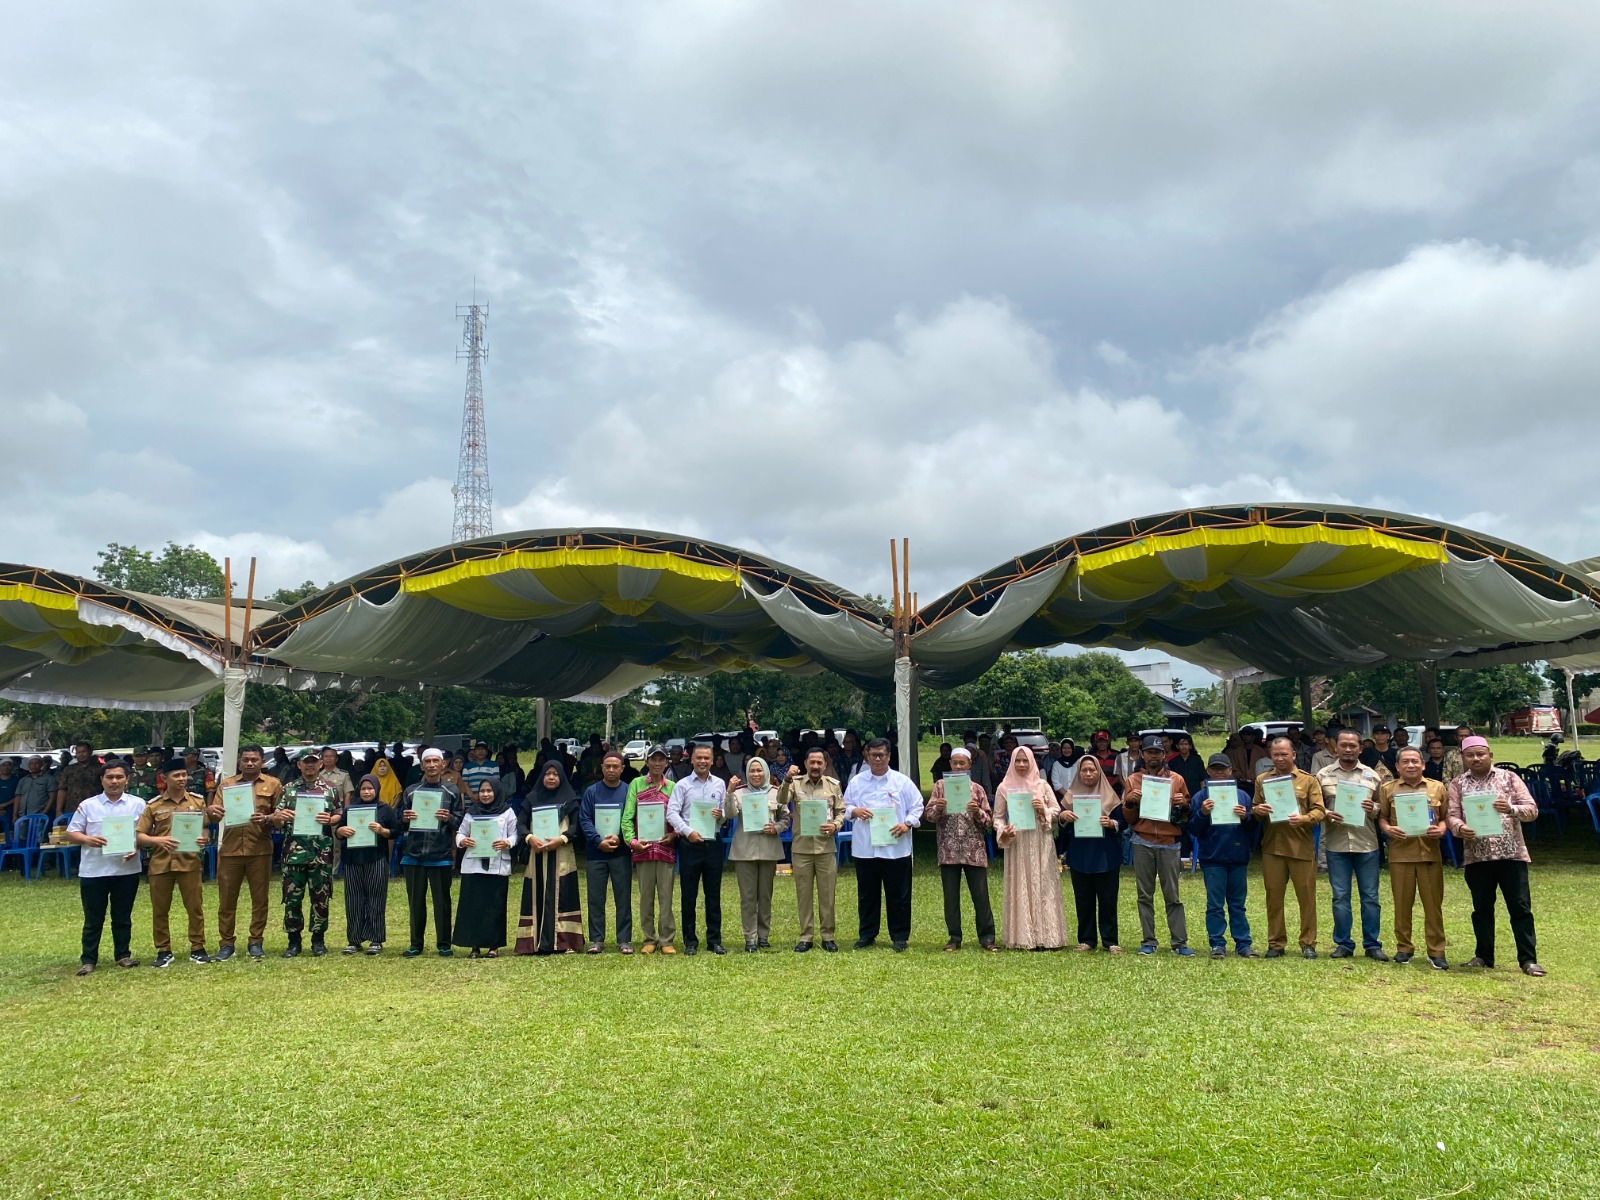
635 750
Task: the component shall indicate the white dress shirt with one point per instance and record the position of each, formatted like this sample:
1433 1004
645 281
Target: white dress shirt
867 790
93 861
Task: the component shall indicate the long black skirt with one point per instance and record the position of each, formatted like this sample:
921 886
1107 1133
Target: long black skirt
366 901
481 912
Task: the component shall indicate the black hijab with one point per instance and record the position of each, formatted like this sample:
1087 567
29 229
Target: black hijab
477 808
540 795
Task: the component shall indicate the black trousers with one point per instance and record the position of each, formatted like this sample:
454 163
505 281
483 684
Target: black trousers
419 882
1091 892
700 863
1511 878
96 893
893 876
978 886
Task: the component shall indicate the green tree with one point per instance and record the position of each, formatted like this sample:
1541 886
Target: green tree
1485 695
184 572
1070 711
293 595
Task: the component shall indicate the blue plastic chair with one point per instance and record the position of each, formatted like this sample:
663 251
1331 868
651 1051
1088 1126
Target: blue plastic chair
63 855
208 857
841 842
1450 849
24 843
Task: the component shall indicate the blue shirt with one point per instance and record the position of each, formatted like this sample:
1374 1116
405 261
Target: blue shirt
867 790
599 793
1222 845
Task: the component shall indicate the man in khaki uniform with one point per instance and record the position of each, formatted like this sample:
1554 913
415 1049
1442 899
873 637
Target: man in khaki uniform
1288 853
1415 866
245 854
172 865
814 860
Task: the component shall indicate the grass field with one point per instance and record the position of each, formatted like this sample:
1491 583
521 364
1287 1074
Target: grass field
779 1074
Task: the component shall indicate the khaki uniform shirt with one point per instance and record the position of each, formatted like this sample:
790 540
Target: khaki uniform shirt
1414 849
242 841
1280 837
795 790
156 821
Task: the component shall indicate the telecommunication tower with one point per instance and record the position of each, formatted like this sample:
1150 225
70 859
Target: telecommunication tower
474 497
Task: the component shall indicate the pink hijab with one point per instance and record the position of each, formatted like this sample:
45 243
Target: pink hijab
1023 776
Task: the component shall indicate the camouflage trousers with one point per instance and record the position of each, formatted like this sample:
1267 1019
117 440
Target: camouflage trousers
315 878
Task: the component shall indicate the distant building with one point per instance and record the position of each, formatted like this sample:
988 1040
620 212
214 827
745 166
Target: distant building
1157 676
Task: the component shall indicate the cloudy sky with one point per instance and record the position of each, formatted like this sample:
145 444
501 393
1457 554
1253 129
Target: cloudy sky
794 276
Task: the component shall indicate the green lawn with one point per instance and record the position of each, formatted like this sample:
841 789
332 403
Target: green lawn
819 1075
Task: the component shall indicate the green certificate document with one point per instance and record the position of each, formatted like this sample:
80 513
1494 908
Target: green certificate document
651 822
483 831
608 820
813 816
1155 799
701 820
1278 794
544 822
358 819
754 812
957 793
1019 811
1347 798
1479 811
186 830
1088 810
118 833
238 804
1223 796
883 824
426 802
1411 813
306 807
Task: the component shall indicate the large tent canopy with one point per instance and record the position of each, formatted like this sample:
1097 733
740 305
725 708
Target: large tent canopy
1262 590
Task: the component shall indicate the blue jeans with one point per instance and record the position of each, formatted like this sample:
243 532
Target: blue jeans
1225 886
1342 864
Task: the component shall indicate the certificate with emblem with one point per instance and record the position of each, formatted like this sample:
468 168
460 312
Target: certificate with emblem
753 810
651 822
483 831
544 822
118 833
360 820
1019 811
1347 800
607 820
813 816
1155 799
1087 809
426 803
238 804
883 824
957 792
700 818
307 806
1224 796
1278 795
1411 813
186 830
1478 809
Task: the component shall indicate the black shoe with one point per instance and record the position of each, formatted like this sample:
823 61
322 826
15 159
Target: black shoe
199 956
293 949
1438 964
163 959
831 947
318 946
764 943
85 968
1377 955
224 952
445 952
1246 952
718 948
374 948
256 950
352 948
1274 952
1403 957
898 947
1308 952
1534 969
1219 952
1342 952
411 952
127 961
865 943
801 947
691 948
750 947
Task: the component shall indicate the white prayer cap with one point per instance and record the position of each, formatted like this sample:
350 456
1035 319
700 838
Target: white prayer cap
431 752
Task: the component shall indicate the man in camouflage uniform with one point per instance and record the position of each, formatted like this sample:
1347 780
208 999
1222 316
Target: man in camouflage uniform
78 780
144 780
307 860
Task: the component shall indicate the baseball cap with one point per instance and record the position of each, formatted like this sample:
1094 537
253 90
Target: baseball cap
1219 760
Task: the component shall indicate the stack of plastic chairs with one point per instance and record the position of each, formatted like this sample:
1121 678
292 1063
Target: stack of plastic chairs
24 843
63 854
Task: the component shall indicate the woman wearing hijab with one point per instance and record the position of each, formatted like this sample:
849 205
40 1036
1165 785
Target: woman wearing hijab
964 852
481 912
1031 913
1094 856
366 868
551 922
389 785
755 854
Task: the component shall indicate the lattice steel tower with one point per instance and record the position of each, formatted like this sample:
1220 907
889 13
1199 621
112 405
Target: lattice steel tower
474 496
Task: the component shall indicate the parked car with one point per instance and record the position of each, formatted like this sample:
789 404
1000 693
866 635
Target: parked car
635 750
677 744
1272 729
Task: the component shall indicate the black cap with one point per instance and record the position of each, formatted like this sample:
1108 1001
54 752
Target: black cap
1220 760
174 764
1152 741
656 752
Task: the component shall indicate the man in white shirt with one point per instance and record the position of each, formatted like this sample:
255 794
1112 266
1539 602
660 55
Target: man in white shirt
886 866
699 857
106 879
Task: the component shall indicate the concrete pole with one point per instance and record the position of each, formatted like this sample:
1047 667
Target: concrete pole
1572 706
1230 705
1428 685
1305 701
608 722
542 719
906 717
430 714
